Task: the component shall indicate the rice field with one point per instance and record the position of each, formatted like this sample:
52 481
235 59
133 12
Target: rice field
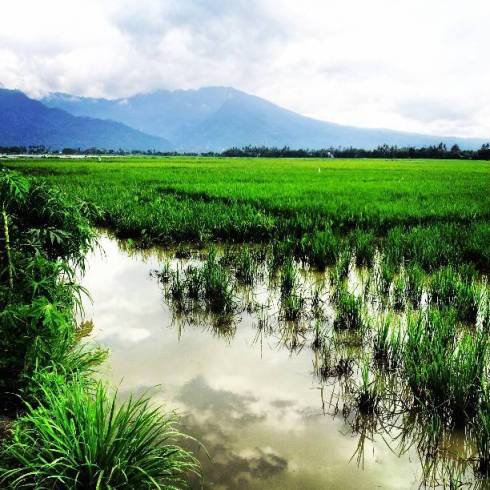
432 212
373 271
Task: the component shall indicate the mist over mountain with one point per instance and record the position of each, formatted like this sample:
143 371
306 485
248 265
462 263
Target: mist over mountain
217 118
28 122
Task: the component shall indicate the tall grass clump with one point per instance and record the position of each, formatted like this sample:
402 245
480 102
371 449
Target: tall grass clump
43 235
78 436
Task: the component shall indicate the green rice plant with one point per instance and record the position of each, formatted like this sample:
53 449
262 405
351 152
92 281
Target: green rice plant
292 306
292 301
177 287
206 287
317 301
217 285
78 438
451 288
481 433
483 316
193 283
444 368
363 245
416 218
396 344
281 252
368 391
399 290
468 370
381 342
416 283
429 339
321 248
349 310
165 273
183 252
319 335
340 271
245 266
387 274
289 278
380 278
430 247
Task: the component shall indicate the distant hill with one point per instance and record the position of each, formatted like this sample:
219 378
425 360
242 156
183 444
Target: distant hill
26 122
217 118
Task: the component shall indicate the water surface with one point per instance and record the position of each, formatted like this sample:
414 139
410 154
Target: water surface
262 414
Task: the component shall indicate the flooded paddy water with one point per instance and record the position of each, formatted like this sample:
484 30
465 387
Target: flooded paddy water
273 406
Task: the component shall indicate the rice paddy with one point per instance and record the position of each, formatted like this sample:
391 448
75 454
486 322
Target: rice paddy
406 380
374 272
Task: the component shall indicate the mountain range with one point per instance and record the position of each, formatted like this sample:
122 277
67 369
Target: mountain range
206 119
28 122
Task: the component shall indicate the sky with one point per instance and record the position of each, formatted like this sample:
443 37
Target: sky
411 65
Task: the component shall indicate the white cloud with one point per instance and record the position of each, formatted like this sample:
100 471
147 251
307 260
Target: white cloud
405 64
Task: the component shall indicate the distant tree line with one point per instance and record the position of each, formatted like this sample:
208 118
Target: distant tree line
384 151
